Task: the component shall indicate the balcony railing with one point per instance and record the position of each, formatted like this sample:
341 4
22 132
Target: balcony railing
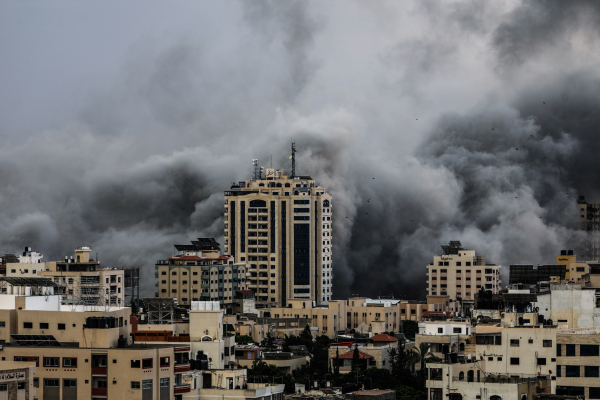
98 391
182 388
99 370
182 368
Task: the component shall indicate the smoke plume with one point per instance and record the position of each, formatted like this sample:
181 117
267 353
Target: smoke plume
426 121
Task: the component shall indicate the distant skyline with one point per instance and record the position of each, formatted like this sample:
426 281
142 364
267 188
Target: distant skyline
121 125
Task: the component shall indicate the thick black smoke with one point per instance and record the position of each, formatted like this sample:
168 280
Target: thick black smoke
418 141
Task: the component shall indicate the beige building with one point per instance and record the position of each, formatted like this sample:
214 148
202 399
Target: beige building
327 320
86 352
16 381
230 384
457 381
83 281
199 272
578 362
459 274
384 314
282 226
574 269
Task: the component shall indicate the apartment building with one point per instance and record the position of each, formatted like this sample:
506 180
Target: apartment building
85 351
471 380
578 362
589 217
328 319
460 273
199 272
282 226
575 270
388 312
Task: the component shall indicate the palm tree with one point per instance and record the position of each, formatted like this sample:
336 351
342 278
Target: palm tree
422 355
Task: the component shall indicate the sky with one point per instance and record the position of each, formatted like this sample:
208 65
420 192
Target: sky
122 124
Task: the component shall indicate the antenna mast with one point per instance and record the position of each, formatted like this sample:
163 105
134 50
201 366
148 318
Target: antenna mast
293 158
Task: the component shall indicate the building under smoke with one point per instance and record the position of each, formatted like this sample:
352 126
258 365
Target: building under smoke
281 225
589 215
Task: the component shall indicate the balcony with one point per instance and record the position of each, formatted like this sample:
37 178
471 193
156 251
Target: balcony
99 371
98 391
179 368
182 388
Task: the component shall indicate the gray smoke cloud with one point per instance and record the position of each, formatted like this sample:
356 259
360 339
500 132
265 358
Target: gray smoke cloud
426 121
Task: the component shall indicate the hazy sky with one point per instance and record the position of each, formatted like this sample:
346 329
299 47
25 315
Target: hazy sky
122 123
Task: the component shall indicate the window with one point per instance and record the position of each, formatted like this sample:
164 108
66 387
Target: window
69 382
164 361
572 371
51 361
547 343
514 342
594 393
21 385
440 330
69 362
135 384
43 325
558 350
541 361
457 330
591 371
51 382
61 327
558 371
570 350
588 350
36 382
514 361
27 325
135 363
147 363
2 324
3 388
164 273
147 384
164 382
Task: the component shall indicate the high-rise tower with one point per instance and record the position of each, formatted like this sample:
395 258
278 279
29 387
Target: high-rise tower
281 226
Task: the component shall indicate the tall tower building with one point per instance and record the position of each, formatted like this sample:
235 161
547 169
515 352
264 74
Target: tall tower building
281 226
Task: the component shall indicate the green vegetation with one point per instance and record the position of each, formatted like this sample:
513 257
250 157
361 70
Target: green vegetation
244 339
401 376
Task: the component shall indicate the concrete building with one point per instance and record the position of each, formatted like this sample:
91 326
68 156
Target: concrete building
327 320
282 226
385 312
470 381
16 381
459 274
230 384
199 272
82 280
85 351
578 362
574 269
589 217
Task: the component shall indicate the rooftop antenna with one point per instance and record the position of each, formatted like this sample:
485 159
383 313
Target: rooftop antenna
293 158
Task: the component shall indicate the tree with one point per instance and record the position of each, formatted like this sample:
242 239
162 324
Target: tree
243 339
306 334
267 342
422 355
336 368
355 360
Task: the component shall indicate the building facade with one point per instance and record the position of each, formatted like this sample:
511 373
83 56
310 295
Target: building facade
589 217
199 272
282 226
459 274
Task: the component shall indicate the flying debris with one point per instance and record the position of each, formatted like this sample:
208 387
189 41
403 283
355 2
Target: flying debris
492 128
544 102
517 148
